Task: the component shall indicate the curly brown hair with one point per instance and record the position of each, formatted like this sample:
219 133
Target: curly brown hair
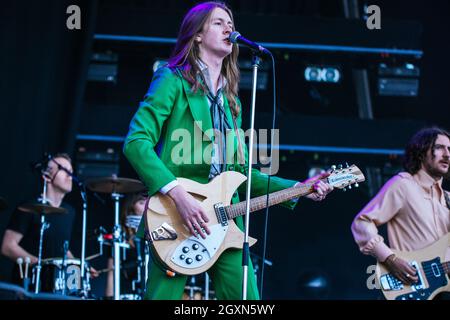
418 145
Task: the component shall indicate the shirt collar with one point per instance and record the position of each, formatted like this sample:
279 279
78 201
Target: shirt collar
426 181
204 70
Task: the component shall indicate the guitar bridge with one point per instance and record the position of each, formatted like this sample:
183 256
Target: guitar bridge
163 232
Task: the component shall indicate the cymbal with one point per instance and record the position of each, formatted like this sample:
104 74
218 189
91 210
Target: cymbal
3 204
41 208
115 184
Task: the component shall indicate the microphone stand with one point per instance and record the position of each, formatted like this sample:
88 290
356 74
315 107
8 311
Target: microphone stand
84 275
245 247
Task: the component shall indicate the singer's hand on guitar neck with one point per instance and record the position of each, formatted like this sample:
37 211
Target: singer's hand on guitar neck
321 188
401 269
191 212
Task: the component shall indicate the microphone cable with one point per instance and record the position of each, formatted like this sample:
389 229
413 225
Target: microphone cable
266 220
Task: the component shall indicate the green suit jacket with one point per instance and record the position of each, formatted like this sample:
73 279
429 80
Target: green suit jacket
177 122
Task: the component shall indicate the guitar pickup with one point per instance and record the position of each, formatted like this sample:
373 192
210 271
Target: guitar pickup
163 232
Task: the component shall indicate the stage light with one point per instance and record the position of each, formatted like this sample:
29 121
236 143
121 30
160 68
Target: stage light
322 74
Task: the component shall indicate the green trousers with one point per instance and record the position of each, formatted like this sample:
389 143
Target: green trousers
226 275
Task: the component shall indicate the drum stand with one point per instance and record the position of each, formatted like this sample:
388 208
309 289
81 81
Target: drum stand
44 226
139 266
117 240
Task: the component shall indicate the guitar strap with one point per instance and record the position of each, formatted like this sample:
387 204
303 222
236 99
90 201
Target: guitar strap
240 150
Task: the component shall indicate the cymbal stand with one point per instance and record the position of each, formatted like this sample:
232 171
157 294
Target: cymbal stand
44 226
84 275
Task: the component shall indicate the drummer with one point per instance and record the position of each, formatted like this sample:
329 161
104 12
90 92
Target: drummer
21 238
130 217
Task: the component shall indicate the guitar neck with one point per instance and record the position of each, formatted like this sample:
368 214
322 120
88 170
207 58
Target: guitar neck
261 202
446 266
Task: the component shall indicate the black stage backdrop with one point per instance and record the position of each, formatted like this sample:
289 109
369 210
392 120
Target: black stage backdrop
43 66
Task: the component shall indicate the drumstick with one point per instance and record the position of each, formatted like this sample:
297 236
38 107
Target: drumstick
27 263
19 262
104 270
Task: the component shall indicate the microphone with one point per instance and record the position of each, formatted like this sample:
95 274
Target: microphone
236 37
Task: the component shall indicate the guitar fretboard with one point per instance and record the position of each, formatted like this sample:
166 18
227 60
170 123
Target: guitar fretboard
446 266
259 203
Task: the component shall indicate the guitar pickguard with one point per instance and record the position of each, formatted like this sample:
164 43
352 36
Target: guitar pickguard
195 252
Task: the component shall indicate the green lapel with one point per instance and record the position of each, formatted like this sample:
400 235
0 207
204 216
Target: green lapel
199 108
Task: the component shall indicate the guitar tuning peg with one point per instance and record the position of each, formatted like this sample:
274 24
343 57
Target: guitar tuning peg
346 164
333 167
349 187
356 185
340 166
345 189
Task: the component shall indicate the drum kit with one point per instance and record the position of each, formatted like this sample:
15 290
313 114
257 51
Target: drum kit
71 276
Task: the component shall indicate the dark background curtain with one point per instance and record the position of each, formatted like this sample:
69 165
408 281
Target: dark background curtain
43 66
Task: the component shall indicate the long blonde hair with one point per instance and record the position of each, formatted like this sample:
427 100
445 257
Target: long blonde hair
186 52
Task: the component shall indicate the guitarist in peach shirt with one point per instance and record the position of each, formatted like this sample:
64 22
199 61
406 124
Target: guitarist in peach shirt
412 203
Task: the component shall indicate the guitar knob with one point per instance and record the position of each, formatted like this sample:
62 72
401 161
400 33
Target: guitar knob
185 249
195 246
189 260
198 257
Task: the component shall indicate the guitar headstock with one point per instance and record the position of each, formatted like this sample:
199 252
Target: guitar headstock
343 178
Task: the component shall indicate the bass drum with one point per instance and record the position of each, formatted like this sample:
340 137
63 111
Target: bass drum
61 279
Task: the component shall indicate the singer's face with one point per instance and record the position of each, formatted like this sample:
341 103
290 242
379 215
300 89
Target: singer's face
213 40
139 207
437 161
61 180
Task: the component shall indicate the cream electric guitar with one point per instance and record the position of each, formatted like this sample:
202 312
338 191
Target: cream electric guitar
432 271
181 252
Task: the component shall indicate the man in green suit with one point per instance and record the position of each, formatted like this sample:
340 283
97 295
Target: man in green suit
196 96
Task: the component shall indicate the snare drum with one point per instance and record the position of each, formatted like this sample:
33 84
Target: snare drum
61 279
